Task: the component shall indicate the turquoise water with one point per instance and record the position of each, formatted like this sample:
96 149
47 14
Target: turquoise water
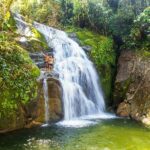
113 134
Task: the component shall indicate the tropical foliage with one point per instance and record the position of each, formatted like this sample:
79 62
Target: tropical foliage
140 33
107 17
17 77
18 74
43 11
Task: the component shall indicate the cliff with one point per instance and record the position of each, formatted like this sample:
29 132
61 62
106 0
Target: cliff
132 86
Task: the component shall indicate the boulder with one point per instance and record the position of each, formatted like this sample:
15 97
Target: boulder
36 109
55 103
74 37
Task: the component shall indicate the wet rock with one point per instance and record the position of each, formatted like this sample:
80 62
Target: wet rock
36 55
74 37
33 124
132 87
146 121
48 74
39 55
87 48
123 110
53 74
55 102
40 64
36 109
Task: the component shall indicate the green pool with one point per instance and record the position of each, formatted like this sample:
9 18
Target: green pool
112 134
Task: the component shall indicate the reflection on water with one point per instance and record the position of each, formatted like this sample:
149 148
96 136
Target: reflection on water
115 134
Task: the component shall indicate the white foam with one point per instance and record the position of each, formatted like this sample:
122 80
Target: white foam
100 116
85 121
45 125
23 39
76 123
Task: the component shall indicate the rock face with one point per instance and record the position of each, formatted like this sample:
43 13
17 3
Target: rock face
73 36
33 114
14 121
132 87
37 108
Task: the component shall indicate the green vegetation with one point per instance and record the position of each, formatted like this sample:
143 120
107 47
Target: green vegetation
144 54
140 34
46 11
126 21
36 42
17 77
106 17
18 74
5 13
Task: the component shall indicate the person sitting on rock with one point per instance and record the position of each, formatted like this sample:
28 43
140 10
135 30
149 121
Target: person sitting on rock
46 61
49 61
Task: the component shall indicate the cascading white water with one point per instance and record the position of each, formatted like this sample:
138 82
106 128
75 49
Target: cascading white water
81 93
82 96
46 98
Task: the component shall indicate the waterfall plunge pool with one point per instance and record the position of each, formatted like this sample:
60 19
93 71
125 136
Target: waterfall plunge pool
108 134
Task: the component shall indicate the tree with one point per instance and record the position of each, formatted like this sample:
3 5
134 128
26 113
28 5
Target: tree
140 32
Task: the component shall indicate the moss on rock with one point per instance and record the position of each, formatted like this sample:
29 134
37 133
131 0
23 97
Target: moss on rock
17 78
35 43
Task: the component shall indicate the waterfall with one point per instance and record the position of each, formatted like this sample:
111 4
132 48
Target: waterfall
82 95
46 98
